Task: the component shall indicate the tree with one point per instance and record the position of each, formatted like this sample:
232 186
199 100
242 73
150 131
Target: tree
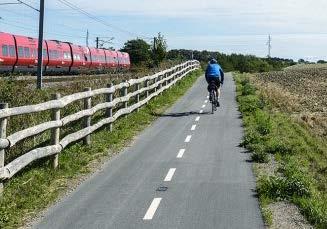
159 49
301 61
139 51
322 62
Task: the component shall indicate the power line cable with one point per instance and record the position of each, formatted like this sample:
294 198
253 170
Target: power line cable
99 20
35 30
28 5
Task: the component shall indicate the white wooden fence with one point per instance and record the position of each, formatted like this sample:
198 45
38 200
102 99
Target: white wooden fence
156 84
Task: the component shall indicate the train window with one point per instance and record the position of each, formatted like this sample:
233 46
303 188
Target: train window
4 50
67 56
34 53
27 52
45 54
12 51
20 51
56 54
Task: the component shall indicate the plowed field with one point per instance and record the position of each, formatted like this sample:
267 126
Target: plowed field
300 91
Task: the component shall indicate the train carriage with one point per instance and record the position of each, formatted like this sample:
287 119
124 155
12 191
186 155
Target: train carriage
112 61
19 53
80 57
8 57
126 60
98 59
60 59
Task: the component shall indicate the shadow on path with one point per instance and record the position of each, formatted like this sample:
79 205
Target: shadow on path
182 114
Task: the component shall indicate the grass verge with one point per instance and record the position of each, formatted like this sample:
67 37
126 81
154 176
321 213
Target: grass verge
38 186
301 173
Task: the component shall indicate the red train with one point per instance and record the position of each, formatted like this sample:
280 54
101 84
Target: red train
19 54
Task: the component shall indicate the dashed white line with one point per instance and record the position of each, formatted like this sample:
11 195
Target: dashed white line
180 153
207 96
170 174
197 119
152 209
188 138
193 127
203 106
205 101
201 111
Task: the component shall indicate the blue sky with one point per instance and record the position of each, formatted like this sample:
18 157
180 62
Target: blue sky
297 26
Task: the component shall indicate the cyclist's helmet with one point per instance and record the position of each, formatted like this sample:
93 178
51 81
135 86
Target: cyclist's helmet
213 61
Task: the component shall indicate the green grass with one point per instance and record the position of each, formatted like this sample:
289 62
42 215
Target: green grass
38 186
301 156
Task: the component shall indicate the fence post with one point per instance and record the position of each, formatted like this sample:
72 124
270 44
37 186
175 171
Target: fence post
87 120
109 99
160 84
3 134
138 87
55 132
147 91
155 81
125 92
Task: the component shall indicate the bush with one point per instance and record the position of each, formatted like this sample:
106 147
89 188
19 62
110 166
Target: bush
248 104
277 145
248 89
282 188
263 122
315 210
259 154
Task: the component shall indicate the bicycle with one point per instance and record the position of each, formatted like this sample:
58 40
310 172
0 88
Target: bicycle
212 88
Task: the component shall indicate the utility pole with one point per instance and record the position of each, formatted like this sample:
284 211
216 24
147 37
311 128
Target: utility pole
269 46
40 47
87 38
97 42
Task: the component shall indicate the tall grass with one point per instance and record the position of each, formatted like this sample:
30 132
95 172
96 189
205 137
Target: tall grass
302 157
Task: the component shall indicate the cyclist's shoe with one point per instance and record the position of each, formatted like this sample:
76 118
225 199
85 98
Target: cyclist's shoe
218 104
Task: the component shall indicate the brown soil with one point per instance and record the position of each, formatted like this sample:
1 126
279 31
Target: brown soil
301 92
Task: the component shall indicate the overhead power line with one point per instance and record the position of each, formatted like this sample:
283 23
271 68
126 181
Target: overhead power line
28 5
99 20
19 2
9 3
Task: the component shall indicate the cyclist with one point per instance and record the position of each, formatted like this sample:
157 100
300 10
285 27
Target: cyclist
214 73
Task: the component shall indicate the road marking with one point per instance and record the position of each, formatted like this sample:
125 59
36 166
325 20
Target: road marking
201 111
193 127
197 119
152 209
188 138
203 106
205 101
180 153
170 174
207 96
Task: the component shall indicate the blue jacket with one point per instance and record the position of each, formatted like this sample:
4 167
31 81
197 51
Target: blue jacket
214 70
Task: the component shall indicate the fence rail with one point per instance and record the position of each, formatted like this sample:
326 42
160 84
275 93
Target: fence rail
157 83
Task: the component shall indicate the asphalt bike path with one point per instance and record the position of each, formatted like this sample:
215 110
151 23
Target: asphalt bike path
185 171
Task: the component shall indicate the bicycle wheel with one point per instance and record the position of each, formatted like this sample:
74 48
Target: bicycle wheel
213 101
